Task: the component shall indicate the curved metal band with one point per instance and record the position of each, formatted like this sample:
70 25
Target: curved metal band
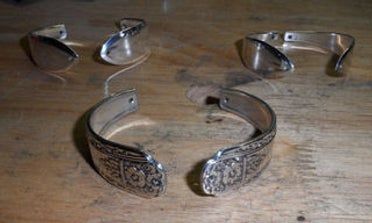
124 47
136 171
265 52
48 51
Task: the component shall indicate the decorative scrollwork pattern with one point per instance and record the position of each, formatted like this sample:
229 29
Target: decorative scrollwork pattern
127 170
231 172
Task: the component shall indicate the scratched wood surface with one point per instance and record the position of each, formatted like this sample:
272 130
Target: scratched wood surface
321 169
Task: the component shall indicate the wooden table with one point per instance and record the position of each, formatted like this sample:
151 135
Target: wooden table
321 169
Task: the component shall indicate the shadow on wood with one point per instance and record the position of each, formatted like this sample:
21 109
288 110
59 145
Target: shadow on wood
193 178
80 139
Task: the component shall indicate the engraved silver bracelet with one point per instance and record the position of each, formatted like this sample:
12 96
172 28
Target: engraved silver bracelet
136 171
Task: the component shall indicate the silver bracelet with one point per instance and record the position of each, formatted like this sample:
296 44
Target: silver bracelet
137 171
50 52
266 52
128 45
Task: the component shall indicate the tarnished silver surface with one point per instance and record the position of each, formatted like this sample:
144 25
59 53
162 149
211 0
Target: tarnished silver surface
126 46
266 52
136 171
48 50
233 167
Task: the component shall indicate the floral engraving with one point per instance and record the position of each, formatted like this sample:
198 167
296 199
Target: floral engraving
231 172
132 173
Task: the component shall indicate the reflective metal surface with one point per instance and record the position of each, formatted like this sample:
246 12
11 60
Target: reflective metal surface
48 50
128 45
136 171
266 52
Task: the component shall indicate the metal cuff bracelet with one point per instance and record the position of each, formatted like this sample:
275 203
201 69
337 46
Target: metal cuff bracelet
126 46
136 171
48 51
265 52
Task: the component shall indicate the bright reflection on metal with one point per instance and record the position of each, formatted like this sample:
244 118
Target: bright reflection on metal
287 46
73 43
127 47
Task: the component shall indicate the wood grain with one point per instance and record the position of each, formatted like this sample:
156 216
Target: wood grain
322 161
